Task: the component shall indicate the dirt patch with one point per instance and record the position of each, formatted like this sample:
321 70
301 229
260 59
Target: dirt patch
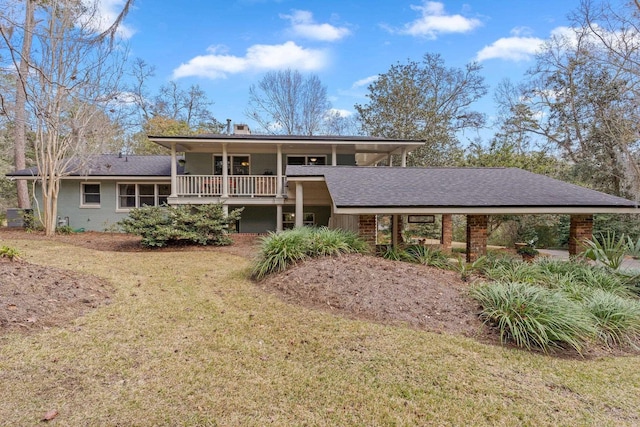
36 297
373 288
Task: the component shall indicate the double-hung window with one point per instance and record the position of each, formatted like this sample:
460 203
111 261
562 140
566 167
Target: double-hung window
89 195
306 160
289 219
139 195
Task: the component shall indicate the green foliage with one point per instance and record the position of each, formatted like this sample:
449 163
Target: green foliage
608 250
633 247
534 317
64 229
8 252
402 104
393 253
278 251
162 225
467 268
617 318
424 255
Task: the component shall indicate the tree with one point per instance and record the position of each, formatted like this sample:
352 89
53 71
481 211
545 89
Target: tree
70 89
286 102
172 111
425 100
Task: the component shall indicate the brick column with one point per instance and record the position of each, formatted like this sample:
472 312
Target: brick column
367 229
581 228
446 237
476 236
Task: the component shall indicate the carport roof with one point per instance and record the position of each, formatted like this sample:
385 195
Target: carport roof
455 190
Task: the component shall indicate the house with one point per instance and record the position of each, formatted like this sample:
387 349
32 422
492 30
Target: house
291 181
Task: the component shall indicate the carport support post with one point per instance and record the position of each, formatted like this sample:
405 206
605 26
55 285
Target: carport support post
397 226
299 221
476 236
446 237
580 229
367 229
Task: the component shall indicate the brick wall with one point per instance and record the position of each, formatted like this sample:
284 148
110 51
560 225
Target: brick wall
476 236
581 228
398 230
367 229
446 237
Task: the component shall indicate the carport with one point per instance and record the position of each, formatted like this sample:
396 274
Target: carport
475 192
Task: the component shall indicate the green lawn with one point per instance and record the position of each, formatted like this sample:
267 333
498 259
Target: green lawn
188 340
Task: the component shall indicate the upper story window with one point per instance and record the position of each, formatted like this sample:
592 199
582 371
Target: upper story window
306 160
236 165
138 195
89 195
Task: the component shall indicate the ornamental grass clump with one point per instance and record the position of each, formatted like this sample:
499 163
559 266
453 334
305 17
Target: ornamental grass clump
532 316
278 251
427 256
617 318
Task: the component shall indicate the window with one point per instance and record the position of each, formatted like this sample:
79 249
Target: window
89 195
306 160
236 165
289 219
138 195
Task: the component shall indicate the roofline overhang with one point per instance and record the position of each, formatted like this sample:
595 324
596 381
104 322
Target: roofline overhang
484 210
97 177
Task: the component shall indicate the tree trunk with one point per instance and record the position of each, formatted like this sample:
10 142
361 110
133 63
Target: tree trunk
20 139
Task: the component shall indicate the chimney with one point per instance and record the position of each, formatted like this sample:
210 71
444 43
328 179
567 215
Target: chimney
228 126
241 129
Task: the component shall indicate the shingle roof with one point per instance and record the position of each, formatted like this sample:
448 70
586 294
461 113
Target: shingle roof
452 187
116 165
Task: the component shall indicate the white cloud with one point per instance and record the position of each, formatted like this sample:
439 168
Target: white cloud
257 58
340 112
101 14
434 21
365 82
511 49
302 25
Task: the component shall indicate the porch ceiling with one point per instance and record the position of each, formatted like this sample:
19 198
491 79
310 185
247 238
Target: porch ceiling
366 149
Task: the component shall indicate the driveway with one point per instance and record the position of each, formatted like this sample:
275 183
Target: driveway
628 263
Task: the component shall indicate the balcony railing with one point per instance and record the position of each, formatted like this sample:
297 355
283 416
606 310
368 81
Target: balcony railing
239 185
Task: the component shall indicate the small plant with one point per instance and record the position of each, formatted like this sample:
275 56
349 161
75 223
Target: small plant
64 229
8 252
633 247
534 317
528 251
423 255
607 250
466 269
393 253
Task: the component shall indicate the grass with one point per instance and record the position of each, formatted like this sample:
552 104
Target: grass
188 340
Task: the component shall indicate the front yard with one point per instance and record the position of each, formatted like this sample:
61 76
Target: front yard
187 339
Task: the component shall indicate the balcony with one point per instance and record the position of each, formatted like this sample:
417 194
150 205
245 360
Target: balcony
239 186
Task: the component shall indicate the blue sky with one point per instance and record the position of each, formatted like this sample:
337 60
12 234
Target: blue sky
225 46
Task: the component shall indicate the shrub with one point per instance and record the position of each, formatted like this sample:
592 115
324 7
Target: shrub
8 252
607 250
162 225
617 318
280 250
534 317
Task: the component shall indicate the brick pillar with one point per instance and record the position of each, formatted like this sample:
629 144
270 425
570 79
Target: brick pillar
446 237
476 236
581 228
367 229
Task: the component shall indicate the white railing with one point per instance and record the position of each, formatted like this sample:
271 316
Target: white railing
239 185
